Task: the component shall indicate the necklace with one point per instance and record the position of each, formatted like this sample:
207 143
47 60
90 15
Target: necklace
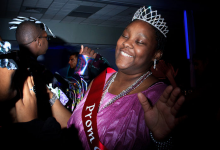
124 92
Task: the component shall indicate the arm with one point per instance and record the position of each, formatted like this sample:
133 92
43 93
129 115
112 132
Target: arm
59 112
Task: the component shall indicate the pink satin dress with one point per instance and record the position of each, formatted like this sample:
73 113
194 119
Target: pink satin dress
121 125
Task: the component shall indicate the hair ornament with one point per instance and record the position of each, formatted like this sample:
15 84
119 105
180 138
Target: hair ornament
5 48
152 18
20 19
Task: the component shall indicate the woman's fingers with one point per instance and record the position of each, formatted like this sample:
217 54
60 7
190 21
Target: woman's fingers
166 94
173 97
31 85
175 109
94 55
144 102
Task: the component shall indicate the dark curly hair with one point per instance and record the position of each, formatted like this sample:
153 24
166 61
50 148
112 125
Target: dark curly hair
75 53
161 40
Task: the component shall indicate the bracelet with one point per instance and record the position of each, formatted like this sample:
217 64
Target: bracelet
53 99
166 145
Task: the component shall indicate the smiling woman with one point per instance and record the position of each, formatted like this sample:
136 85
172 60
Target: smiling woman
139 45
121 121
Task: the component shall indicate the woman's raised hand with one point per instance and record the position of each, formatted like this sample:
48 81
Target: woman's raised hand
162 118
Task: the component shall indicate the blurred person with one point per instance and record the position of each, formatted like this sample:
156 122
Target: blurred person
72 62
83 67
33 39
201 106
18 107
165 71
87 64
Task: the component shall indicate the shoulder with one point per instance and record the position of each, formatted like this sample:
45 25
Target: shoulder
154 92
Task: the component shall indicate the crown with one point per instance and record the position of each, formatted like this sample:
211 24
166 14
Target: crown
20 19
152 18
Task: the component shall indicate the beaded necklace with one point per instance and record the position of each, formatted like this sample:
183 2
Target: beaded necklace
124 92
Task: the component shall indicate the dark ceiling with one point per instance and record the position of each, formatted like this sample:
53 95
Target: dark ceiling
97 12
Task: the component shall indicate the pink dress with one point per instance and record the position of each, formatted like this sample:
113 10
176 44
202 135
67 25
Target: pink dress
121 125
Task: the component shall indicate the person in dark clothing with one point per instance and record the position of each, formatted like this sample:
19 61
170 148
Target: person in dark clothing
84 66
87 64
72 62
19 119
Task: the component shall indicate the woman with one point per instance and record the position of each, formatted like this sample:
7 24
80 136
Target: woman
120 117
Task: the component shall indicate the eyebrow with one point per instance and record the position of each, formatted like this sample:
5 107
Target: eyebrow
141 34
127 29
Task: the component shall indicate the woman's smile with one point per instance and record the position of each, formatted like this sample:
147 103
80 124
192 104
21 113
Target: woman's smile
125 54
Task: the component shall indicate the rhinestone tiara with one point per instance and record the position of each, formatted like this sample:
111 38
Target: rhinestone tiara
152 18
20 19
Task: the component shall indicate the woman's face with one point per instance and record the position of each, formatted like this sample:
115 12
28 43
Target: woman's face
135 50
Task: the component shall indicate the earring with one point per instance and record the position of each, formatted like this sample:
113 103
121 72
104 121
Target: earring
155 62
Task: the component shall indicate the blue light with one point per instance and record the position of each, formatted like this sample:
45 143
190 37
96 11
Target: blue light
84 69
186 35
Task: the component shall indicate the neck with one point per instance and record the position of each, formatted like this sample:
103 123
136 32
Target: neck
126 77
26 52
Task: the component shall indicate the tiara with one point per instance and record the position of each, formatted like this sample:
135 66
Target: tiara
152 18
20 19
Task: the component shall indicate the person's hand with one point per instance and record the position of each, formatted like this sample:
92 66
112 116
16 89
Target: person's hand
162 118
87 51
49 92
170 71
26 107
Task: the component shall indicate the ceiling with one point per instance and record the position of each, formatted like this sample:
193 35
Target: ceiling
113 13
95 12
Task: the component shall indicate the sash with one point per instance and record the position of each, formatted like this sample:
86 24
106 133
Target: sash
90 110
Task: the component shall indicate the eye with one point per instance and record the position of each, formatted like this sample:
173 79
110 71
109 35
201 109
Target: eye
124 36
139 42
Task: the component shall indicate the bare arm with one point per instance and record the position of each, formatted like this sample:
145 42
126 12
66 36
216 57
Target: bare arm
59 112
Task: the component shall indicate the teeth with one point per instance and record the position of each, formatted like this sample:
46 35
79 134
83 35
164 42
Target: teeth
125 54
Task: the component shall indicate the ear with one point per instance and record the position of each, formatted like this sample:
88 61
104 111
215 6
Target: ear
38 42
158 55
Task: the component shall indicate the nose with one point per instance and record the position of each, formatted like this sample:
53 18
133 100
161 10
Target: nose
128 43
69 62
